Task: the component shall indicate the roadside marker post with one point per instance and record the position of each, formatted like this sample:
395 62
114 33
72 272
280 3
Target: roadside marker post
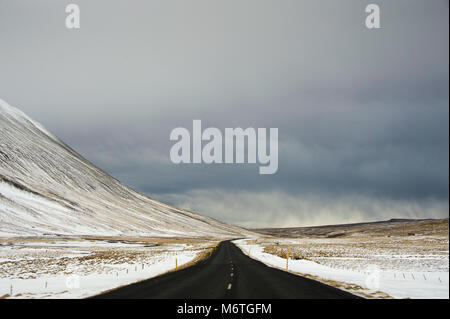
287 260
176 263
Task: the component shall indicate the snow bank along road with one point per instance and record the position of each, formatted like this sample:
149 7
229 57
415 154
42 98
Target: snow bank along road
228 274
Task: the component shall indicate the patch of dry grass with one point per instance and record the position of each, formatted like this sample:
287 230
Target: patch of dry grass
282 250
202 255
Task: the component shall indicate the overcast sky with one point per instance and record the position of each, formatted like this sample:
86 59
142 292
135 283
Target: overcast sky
362 114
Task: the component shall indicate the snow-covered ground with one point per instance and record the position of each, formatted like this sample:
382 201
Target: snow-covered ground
49 192
47 188
78 268
375 273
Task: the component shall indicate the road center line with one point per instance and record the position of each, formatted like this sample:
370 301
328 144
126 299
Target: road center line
229 286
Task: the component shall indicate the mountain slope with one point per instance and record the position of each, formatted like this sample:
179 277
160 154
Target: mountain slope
47 188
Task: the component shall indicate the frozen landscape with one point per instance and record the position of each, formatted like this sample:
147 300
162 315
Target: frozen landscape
70 230
393 259
47 188
76 267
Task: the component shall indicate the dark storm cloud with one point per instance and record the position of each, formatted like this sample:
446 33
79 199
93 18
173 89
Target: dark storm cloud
362 115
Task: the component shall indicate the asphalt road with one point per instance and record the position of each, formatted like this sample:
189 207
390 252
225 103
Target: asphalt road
228 274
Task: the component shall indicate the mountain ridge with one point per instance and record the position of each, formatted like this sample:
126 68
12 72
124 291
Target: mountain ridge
48 188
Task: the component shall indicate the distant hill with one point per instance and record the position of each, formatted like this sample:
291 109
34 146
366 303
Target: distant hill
392 227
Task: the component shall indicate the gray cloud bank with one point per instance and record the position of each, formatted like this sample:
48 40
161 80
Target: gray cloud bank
362 115
280 209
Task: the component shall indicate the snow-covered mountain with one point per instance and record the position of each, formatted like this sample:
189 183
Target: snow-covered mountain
47 188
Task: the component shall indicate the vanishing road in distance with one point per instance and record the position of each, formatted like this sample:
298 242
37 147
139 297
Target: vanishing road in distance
228 274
